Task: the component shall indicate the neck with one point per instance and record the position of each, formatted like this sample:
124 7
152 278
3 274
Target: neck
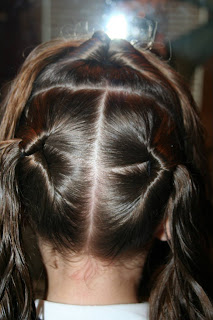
103 288
87 281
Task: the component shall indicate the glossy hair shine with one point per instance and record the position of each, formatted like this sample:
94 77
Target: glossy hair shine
101 144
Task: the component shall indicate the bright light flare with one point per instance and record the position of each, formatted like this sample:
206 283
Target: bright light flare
117 27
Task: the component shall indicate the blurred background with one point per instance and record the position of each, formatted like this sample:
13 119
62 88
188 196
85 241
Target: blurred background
180 32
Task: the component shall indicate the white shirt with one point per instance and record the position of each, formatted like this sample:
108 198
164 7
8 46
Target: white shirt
58 311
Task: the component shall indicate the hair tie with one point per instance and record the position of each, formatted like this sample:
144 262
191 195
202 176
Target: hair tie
22 154
27 149
149 167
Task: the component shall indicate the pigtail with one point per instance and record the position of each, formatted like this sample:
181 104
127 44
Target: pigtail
16 300
183 289
15 288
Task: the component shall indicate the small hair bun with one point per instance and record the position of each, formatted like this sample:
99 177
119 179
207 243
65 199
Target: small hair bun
102 36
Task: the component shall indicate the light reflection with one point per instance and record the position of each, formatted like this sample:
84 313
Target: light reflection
117 27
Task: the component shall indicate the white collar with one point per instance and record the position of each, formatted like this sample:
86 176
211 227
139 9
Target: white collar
57 311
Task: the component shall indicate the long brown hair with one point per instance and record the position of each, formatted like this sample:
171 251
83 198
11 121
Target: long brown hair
101 143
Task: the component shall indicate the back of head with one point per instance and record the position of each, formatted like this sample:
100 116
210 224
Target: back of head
100 145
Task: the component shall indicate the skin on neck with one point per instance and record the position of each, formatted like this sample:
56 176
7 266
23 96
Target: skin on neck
84 280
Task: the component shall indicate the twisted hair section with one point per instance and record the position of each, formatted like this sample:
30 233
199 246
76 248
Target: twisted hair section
106 148
15 288
181 287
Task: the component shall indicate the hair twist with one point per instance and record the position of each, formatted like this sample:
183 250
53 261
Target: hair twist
30 147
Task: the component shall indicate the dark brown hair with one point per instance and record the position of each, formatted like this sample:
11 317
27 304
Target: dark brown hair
100 144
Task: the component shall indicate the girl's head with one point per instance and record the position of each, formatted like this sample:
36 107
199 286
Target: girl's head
100 145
